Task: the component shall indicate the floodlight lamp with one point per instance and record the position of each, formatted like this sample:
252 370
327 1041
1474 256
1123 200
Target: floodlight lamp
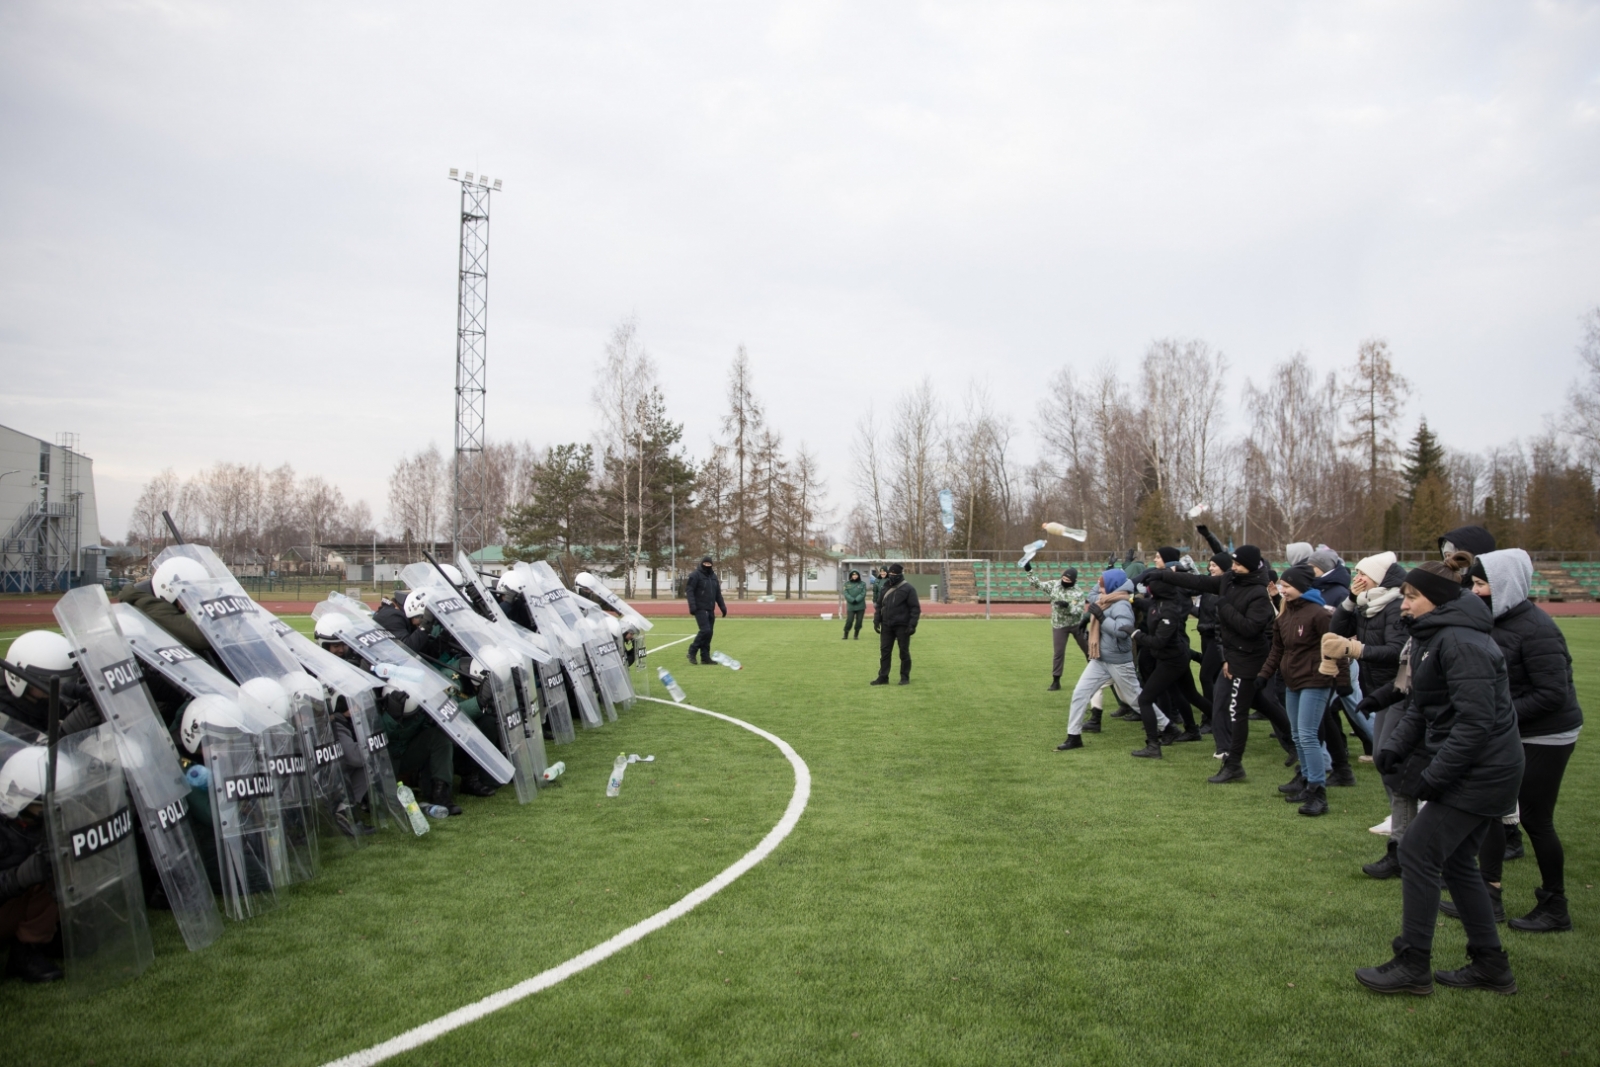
469 175
497 185
483 179
455 173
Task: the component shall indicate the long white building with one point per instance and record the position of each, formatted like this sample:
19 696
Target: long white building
49 526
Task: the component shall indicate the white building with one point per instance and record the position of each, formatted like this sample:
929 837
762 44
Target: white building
49 526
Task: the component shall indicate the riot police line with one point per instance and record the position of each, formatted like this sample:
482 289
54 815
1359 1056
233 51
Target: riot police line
184 749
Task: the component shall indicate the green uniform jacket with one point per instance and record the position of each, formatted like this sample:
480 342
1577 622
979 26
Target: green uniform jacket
1066 602
855 596
169 617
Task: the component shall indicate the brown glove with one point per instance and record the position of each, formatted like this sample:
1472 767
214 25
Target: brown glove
1334 647
1329 667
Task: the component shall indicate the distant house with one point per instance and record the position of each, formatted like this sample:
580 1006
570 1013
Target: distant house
490 559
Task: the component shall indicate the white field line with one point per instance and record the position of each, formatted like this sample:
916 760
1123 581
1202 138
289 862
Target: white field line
652 650
421 1035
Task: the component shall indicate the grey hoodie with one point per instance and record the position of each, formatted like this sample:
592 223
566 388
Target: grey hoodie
1510 574
1297 552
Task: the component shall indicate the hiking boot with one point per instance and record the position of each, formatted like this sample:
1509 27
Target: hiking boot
1072 741
1410 971
441 796
1342 776
1055 685
1205 729
1514 850
1186 736
1297 784
1231 772
1448 907
1316 801
905 681
1387 867
31 964
1168 735
1298 797
1488 969
1093 725
1547 917
879 681
474 785
1126 713
1151 750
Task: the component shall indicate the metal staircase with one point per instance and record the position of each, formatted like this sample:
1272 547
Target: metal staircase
36 554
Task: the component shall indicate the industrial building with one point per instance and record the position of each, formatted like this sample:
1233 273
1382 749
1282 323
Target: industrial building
50 526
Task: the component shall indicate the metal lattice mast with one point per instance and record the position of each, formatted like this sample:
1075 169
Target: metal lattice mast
469 526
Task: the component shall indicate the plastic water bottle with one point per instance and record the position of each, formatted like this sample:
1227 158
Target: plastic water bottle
198 776
555 770
672 684
408 800
619 767
437 811
726 660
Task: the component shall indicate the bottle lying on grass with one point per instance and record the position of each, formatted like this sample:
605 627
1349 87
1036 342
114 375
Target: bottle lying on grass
727 661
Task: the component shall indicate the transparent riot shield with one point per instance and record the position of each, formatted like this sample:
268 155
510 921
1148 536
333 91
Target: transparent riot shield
247 826
149 760
241 634
104 928
553 695
557 618
403 669
356 686
606 654
502 660
613 601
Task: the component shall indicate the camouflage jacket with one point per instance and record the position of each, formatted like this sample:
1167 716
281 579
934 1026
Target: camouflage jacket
1066 602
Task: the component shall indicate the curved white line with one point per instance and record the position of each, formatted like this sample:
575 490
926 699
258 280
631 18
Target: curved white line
421 1035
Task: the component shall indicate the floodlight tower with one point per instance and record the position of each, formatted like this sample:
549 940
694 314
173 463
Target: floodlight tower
469 528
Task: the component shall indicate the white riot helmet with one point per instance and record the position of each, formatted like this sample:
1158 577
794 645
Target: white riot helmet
412 703
417 604
266 697
302 684
39 650
330 629
614 624
203 711
514 582
452 572
22 779
176 570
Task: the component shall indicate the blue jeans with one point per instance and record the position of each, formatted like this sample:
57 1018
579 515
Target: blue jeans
1306 708
1360 722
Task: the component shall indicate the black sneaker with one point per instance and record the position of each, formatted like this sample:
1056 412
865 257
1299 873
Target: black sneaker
904 681
1205 729
1488 969
1231 772
1549 916
1316 801
1151 750
1297 784
1186 737
1387 867
1342 776
1168 735
1072 741
1054 686
1448 907
879 681
1409 972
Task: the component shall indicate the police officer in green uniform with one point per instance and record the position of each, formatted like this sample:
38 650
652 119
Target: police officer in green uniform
855 604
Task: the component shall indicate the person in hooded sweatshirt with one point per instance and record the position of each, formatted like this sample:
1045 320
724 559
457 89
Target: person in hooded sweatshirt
1244 618
1110 652
1456 747
1367 630
1548 721
1297 652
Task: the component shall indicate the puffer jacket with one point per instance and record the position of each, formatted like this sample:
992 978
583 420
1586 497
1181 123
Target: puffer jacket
1116 626
1460 712
899 607
855 595
1165 634
1537 660
1244 613
1382 635
1297 646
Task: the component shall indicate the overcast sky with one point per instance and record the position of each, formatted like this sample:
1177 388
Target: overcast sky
227 230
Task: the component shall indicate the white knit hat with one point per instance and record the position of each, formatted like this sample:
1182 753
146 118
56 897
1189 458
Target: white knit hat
1375 567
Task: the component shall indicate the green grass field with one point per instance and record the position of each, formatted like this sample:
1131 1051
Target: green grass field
956 893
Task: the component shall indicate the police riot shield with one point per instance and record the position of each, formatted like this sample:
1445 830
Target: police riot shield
555 619
241 634
104 929
404 669
594 585
149 760
606 654
356 686
246 817
553 695
501 660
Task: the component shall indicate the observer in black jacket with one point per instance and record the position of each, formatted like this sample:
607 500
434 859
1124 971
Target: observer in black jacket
896 620
1457 741
704 592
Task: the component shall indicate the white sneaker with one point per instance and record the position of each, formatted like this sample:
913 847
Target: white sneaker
1366 759
1216 755
1385 827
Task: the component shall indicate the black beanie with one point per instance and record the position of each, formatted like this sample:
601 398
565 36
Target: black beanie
705 559
1223 560
1070 576
1439 588
1300 576
895 568
1249 555
1169 554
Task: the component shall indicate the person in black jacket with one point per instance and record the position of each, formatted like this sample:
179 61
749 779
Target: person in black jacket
1548 720
1457 742
704 592
28 912
1165 639
895 621
1244 618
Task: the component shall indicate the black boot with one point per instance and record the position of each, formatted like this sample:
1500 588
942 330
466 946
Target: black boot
1411 971
1547 917
1514 850
1151 749
1231 772
1186 737
1387 867
1170 734
1295 785
475 785
1055 684
1448 907
1345 775
879 681
1316 801
442 797
1093 725
1072 741
1488 969
31 964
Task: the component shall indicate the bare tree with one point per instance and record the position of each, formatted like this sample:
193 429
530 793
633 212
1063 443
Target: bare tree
742 423
627 379
321 507
914 470
866 474
1373 398
1291 435
146 527
1581 419
418 496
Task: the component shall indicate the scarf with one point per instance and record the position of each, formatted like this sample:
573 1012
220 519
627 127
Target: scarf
1106 600
1373 601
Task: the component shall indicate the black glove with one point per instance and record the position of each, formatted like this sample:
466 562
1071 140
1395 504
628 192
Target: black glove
1426 790
1096 610
1155 574
911 632
1343 690
1028 566
1368 706
877 627
724 613
1387 760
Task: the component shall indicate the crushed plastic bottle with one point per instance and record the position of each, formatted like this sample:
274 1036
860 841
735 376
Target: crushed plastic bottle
727 661
436 811
672 684
619 767
1029 550
555 770
408 800
198 776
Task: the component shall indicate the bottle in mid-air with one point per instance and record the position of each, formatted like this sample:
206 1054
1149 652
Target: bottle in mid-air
671 684
619 767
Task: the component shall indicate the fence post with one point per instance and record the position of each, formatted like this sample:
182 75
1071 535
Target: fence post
988 585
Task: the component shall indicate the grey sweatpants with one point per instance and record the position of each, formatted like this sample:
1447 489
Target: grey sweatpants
1402 809
1095 677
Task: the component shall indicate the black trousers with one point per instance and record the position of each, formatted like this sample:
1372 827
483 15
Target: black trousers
888 637
1210 671
1333 734
1442 840
1543 768
1167 680
702 640
853 616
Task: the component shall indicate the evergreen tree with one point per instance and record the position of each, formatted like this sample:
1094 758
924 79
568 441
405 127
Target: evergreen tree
557 516
1424 459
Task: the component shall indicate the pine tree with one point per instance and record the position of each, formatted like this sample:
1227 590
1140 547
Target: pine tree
1424 459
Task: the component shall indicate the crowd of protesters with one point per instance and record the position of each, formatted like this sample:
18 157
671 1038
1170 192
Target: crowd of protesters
1457 687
